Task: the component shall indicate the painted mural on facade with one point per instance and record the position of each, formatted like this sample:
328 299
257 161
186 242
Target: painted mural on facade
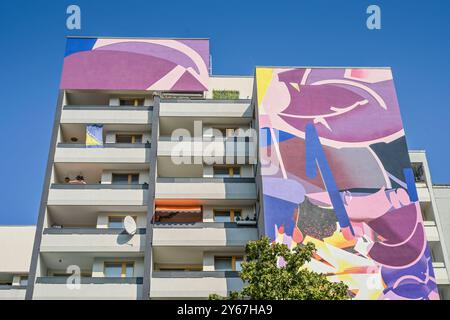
336 172
136 64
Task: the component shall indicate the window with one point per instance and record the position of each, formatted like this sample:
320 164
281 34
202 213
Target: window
131 101
226 172
129 138
237 263
227 132
119 269
116 222
223 263
125 178
418 172
226 215
228 263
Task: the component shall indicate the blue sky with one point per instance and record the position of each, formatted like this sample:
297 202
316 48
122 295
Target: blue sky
414 41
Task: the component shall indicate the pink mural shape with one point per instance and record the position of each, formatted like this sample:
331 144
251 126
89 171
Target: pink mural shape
136 64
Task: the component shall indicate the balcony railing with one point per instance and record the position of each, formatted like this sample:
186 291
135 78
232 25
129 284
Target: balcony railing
194 284
200 225
94 231
98 186
203 234
207 108
106 145
195 274
10 292
91 280
106 114
206 188
106 107
90 288
92 240
205 180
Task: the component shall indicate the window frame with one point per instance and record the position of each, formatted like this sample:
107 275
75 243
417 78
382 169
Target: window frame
123 266
233 261
129 180
136 101
119 216
232 171
233 213
133 137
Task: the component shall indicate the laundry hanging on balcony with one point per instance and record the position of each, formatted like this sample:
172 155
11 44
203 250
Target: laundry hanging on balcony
94 136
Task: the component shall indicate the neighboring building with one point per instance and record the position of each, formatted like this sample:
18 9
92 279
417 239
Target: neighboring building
16 246
435 207
442 203
116 152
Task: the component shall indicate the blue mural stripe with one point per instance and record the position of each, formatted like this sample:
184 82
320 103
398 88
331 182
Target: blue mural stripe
74 45
315 157
411 184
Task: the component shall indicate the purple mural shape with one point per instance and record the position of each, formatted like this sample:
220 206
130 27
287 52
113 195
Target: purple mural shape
136 64
336 136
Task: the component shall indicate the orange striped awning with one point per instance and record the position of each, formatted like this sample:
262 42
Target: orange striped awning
184 209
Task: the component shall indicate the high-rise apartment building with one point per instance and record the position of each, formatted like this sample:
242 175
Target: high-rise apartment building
159 173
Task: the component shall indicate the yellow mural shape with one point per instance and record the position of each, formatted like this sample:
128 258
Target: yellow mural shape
263 78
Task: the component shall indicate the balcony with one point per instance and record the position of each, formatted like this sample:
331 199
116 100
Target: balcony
110 153
98 194
193 284
90 288
91 240
431 231
423 192
217 148
206 108
440 273
203 234
106 114
206 188
8 292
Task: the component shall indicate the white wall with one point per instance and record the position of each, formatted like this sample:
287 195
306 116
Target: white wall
442 196
16 245
244 84
141 218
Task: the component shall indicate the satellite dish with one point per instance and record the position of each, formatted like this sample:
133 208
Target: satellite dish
129 225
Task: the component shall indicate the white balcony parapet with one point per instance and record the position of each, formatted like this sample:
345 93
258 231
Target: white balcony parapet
194 284
98 194
91 240
8 292
110 153
440 273
423 193
90 289
206 188
206 108
202 234
206 148
431 231
106 114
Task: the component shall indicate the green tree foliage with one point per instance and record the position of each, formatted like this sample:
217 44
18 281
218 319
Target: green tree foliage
225 94
264 280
